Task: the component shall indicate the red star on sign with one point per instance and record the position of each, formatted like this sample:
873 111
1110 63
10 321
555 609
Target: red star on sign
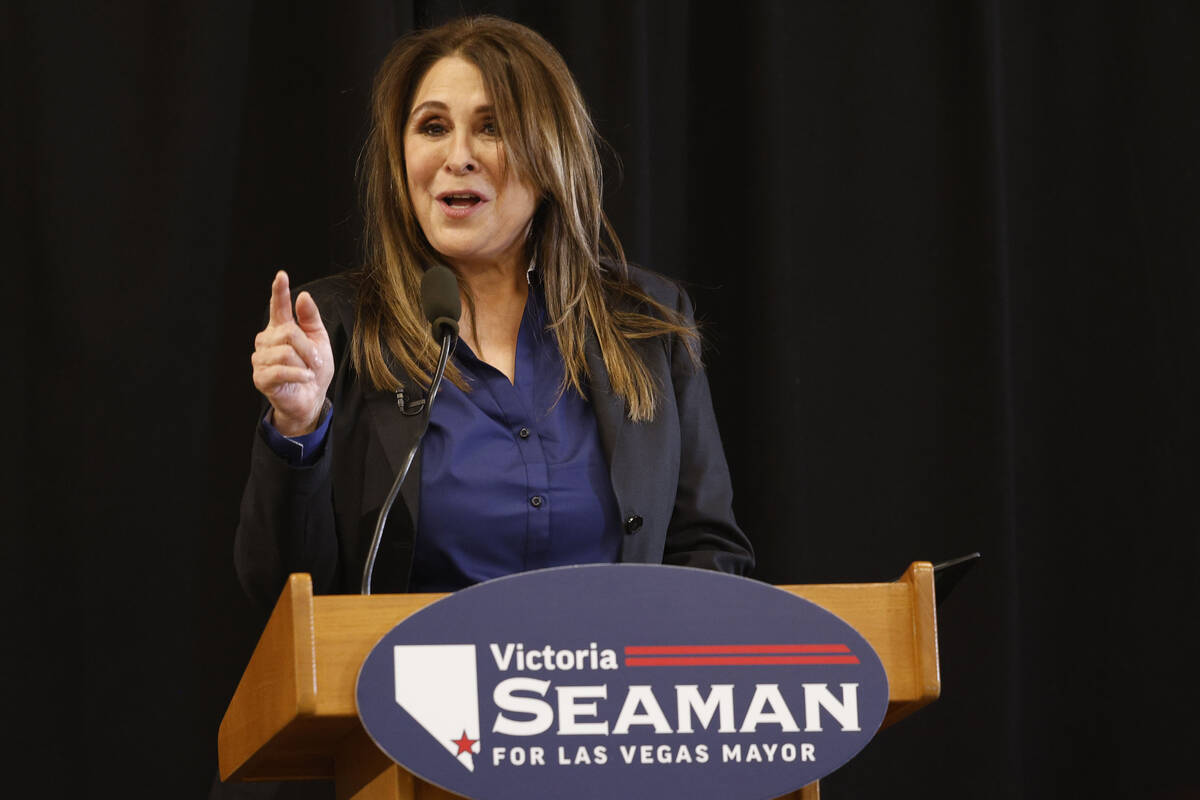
464 744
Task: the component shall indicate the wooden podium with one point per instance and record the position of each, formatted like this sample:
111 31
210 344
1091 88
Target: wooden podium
293 716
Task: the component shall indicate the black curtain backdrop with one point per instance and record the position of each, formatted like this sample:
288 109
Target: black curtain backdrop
946 256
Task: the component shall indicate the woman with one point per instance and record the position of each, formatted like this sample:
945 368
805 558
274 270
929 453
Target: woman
575 424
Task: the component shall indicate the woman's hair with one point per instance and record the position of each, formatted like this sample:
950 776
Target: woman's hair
548 137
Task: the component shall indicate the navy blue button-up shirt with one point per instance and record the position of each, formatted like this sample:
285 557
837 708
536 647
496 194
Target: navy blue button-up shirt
513 477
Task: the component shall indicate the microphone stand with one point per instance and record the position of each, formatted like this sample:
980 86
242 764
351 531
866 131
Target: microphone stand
448 338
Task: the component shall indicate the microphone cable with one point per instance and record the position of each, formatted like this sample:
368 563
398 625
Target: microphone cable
442 307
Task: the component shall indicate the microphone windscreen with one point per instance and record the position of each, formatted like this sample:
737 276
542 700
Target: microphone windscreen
440 300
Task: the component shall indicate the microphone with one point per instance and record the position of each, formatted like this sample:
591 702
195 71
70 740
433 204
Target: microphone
442 306
440 301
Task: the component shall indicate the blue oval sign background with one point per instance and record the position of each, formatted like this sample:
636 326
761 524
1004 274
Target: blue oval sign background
622 681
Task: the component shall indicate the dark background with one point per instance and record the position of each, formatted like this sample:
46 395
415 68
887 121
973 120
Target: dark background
946 254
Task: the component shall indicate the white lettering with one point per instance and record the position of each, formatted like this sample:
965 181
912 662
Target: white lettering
513 656
818 696
807 752
569 710
502 660
543 713
641 697
768 694
688 701
519 756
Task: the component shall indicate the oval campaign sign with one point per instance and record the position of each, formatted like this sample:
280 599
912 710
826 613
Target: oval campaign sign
621 681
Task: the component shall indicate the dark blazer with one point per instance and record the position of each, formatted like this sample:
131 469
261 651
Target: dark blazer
669 475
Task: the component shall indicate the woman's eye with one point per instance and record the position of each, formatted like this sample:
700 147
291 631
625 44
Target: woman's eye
489 128
432 128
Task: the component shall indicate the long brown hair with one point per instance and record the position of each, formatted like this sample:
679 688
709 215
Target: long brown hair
549 138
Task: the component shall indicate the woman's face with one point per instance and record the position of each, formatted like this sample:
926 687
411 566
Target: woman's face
473 211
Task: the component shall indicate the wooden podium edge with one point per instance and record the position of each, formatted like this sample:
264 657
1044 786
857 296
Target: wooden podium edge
879 612
926 662
281 676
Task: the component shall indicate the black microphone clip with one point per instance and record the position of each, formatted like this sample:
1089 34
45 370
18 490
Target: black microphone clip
408 409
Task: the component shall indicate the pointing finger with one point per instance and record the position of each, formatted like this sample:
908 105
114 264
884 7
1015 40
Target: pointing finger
281 299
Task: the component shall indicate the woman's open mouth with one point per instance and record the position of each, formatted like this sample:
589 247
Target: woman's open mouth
460 204
461 199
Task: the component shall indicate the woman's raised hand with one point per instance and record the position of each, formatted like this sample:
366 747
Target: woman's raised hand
292 360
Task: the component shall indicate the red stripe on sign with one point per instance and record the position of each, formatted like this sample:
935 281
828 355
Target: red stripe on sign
716 661
723 649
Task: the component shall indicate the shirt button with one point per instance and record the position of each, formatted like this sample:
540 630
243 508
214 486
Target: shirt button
536 501
633 523
523 433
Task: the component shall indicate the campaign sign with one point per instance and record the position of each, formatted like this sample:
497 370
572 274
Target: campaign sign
621 681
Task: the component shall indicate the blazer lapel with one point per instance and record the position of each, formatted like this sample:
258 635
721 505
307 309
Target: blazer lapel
396 432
